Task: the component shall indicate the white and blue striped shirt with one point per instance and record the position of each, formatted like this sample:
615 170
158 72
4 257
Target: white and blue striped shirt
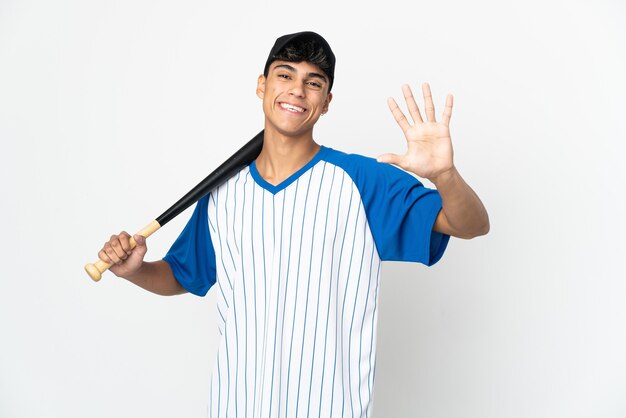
296 268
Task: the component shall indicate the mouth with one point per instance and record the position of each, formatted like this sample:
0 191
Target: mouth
291 108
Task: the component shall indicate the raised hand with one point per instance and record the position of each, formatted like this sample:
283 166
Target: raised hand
429 146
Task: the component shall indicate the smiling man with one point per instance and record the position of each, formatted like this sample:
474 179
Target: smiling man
293 245
295 89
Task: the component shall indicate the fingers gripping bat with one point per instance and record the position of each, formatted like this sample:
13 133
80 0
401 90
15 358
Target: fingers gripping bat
244 156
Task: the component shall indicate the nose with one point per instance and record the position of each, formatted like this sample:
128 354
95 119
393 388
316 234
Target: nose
297 89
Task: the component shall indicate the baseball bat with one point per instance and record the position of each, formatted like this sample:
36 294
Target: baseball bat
244 156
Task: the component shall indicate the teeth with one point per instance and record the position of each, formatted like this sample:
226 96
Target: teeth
291 107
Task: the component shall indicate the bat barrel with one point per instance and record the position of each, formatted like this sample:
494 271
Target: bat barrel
232 165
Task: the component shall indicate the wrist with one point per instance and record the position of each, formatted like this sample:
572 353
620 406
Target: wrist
445 177
135 274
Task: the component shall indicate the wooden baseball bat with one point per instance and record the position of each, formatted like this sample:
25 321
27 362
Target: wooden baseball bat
244 156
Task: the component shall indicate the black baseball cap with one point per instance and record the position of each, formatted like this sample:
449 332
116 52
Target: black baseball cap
319 41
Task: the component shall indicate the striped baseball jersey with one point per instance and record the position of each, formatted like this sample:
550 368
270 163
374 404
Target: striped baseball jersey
296 270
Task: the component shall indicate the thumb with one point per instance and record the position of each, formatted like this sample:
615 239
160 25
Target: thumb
390 159
141 247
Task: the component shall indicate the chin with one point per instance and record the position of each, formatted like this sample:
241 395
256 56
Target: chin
288 130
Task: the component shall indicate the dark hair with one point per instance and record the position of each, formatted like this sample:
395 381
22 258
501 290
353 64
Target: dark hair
300 51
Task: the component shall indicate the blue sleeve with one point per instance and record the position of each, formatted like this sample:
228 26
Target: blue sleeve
192 257
400 211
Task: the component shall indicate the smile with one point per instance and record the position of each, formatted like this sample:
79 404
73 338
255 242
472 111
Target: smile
292 108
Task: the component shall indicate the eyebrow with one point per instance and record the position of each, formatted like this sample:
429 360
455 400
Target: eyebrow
310 75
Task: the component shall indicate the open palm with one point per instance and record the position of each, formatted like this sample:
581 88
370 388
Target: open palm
429 146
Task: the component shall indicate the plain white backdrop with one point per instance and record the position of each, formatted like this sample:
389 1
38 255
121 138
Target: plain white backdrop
111 110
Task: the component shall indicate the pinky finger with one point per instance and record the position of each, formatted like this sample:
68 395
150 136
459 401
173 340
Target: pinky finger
447 111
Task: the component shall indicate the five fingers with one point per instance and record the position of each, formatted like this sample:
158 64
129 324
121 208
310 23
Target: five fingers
414 111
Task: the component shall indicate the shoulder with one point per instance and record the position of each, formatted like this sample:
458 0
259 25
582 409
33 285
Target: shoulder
341 158
363 169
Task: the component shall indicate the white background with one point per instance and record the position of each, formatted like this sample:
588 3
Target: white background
111 110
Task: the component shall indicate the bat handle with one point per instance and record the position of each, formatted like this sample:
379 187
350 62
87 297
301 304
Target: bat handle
95 270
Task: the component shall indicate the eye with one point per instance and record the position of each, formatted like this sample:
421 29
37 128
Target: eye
315 84
285 76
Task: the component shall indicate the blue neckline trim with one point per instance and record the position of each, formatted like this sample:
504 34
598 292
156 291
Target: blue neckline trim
285 183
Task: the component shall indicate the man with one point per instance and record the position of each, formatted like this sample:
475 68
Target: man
293 244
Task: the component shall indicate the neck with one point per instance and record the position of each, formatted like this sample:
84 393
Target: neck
283 155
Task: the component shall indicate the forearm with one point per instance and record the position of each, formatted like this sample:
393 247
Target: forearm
156 277
465 214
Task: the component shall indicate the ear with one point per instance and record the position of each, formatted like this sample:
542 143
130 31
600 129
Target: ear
260 86
327 102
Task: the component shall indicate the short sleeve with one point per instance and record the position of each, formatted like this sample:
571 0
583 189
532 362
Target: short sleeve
402 219
400 211
192 256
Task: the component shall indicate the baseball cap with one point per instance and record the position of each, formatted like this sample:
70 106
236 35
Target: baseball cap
298 37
